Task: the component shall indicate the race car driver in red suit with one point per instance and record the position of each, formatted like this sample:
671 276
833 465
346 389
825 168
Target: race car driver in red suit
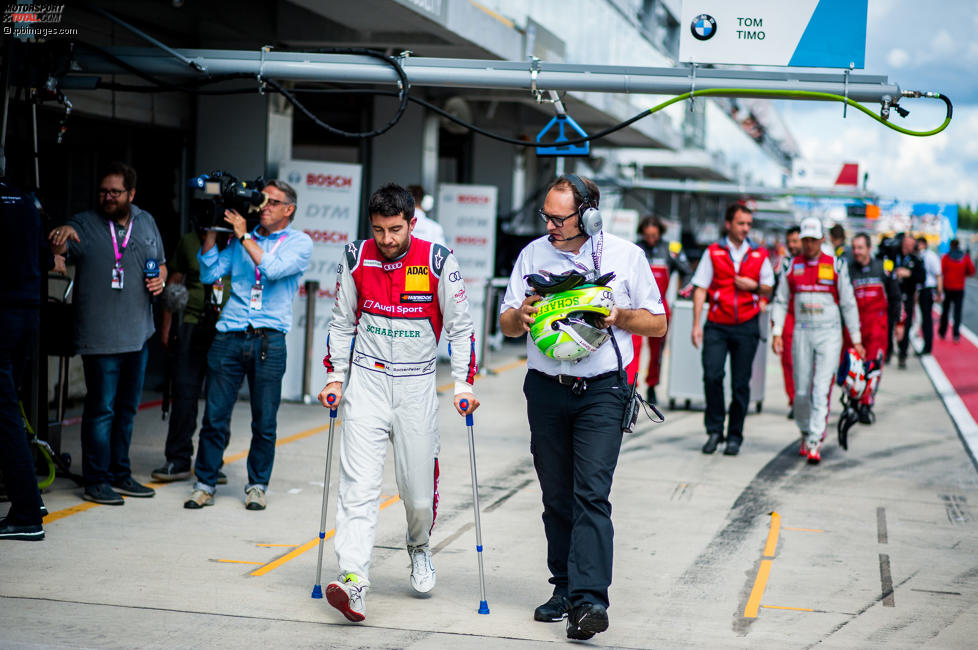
394 294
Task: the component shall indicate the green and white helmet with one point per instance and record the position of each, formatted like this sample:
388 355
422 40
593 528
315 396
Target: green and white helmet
567 326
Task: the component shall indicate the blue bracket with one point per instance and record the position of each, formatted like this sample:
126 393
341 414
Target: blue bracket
556 149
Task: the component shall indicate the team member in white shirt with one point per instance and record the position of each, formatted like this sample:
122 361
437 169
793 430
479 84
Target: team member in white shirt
575 409
932 291
425 227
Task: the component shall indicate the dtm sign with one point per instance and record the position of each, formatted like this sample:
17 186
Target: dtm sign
808 33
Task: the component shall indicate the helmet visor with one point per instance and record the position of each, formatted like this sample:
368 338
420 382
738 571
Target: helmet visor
585 333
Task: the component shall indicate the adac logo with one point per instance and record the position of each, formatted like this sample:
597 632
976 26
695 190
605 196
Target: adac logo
704 27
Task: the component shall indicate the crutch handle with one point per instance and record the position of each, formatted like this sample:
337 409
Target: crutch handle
464 405
330 399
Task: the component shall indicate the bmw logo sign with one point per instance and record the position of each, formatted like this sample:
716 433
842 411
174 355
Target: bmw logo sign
704 27
294 177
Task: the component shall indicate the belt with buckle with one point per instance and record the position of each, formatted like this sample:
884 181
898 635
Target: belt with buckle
577 384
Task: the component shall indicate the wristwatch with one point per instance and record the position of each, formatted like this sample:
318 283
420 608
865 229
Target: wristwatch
243 237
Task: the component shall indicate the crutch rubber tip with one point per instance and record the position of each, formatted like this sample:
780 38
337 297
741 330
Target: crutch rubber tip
483 607
479 548
317 591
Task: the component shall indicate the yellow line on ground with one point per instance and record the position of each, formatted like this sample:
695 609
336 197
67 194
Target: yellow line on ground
239 562
277 546
510 365
803 530
299 550
794 609
758 591
760 582
500 18
67 512
772 535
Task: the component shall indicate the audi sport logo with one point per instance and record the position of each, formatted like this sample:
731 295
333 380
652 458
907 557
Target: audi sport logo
329 181
454 276
328 236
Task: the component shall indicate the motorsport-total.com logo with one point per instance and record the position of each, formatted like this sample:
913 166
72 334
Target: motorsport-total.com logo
703 27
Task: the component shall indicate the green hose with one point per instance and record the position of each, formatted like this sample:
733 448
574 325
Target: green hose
808 94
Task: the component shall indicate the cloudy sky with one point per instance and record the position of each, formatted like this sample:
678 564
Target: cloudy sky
919 46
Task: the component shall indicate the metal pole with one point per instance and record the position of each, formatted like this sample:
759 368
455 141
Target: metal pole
474 73
488 313
312 289
469 422
317 589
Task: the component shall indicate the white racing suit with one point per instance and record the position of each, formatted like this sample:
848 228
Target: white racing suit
819 289
383 339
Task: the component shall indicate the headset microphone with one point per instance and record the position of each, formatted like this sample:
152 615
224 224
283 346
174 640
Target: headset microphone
554 238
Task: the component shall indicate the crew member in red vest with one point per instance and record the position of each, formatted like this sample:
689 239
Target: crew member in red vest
394 293
793 248
733 273
956 265
817 287
664 259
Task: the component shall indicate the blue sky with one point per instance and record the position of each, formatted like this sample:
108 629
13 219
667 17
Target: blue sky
919 46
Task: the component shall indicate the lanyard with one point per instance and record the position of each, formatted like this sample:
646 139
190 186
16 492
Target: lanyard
596 253
273 249
125 242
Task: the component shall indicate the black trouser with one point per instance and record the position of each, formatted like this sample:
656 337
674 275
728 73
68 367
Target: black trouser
741 342
926 302
953 301
18 327
189 370
908 304
575 441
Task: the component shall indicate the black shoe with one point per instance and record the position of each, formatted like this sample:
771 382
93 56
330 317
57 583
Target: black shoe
102 493
733 447
711 444
222 479
553 610
34 533
170 472
902 363
131 488
44 510
650 395
584 621
791 412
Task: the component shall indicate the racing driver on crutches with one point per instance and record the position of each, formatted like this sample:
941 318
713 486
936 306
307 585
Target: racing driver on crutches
394 293
819 286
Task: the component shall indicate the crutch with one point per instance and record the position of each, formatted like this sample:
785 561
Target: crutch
317 590
483 605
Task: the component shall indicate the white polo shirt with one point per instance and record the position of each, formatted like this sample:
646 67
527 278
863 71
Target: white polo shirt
932 265
703 277
633 286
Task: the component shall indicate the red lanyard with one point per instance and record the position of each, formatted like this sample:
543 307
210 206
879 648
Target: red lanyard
277 244
115 243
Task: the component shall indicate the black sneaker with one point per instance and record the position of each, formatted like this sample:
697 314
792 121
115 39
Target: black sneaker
711 443
34 533
584 621
650 395
732 448
791 412
131 488
102 493
222 479
553 610
902 363
170 472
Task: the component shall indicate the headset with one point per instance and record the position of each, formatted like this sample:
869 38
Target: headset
590 216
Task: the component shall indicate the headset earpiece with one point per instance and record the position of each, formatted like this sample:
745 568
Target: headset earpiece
589 215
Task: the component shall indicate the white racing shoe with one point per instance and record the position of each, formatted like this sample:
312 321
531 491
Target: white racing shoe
422 570
348 594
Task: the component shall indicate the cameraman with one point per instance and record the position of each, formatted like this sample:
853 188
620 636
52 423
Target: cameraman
265 265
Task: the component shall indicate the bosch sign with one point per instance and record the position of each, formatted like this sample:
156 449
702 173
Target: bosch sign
329 181
328 236
473 199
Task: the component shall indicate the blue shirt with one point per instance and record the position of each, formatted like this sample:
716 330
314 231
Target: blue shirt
280 270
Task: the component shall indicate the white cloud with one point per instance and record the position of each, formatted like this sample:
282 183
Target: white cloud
942 44
897 57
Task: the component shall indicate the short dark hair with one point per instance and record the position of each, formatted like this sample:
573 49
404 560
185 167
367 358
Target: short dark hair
564 183
417 192
652 220
792 230
922 240
954 244
390 201
120 169
863 235
734 208
837 232
288 191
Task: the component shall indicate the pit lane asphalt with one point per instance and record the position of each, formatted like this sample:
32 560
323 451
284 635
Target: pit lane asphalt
876 547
